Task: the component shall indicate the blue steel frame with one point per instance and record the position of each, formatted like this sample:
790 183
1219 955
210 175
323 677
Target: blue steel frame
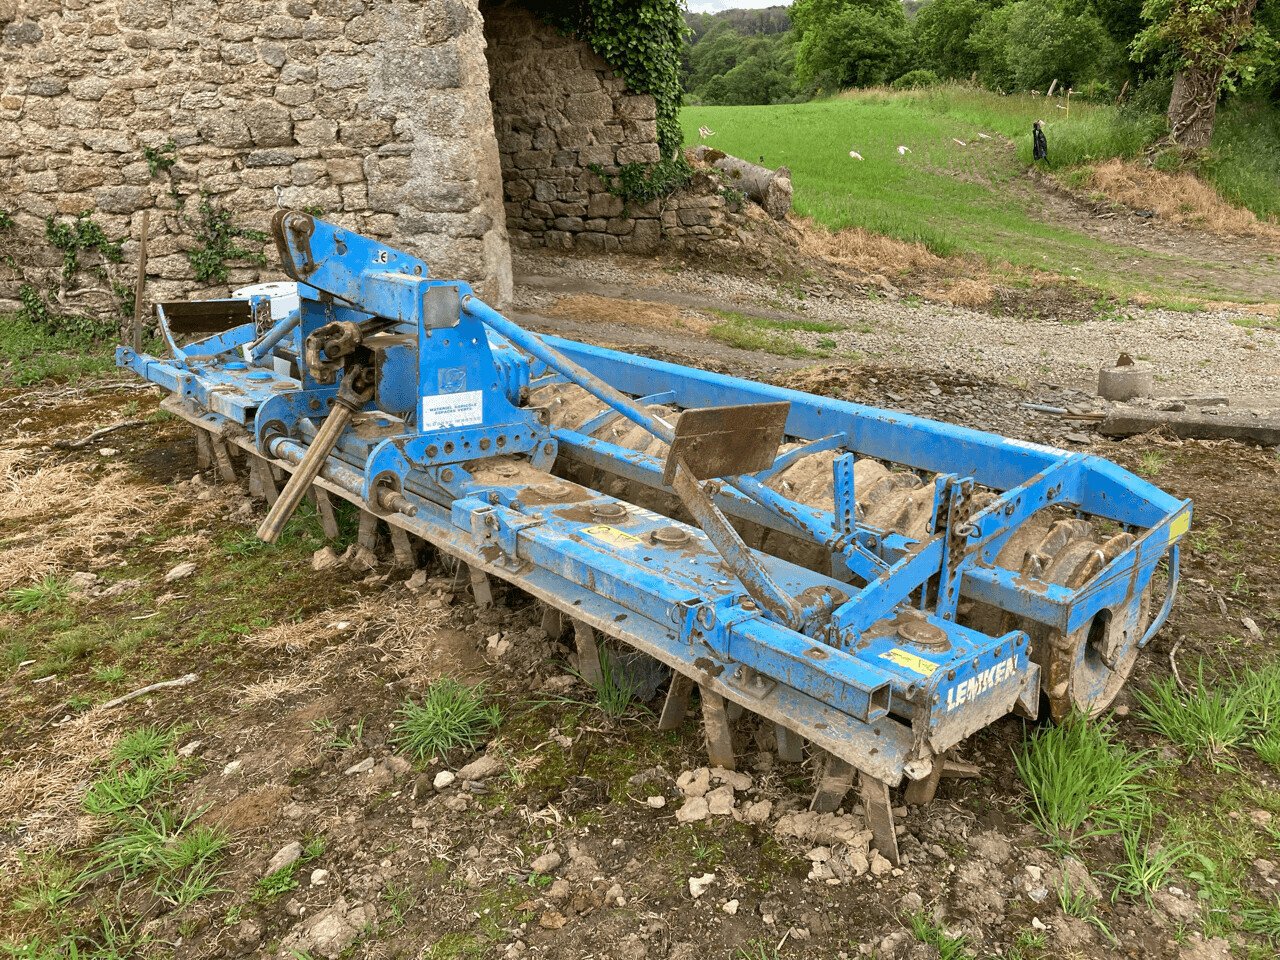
474 476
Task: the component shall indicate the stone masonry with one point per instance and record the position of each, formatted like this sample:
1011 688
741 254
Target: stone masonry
558 110
388 116
374 113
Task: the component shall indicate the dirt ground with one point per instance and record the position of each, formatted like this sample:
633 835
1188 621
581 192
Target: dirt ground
559 837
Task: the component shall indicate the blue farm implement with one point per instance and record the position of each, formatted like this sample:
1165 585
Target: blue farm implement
876 584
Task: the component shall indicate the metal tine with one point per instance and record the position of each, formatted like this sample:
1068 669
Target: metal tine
260 474
480 588
584 637
917 793
834 781
222 457
878 810
402 547
790 744
367 536
676 705
715 724
552 622
324 507
204 452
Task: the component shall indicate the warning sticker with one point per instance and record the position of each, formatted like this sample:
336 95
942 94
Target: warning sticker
909 660
1181 524
612 535
452 410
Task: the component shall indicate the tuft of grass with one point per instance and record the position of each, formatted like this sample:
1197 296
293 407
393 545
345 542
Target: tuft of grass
615 691
1083 906
108 675
399 899
1260 692
44 595
15 652
757 950
1146 865
281 881
185 888
767 336
928 932
1082 782
276 884
146 745
451 715
53 886
1268 749
1208 720
1152 463
119 792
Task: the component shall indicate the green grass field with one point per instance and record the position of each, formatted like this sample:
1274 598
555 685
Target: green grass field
959 193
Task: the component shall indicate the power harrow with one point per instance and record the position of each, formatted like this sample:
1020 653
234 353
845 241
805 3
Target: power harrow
876 584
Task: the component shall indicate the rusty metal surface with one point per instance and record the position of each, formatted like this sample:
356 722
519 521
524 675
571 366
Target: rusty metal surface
206 316
727 441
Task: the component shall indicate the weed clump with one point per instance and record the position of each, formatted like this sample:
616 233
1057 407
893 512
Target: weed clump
451 715
1082 782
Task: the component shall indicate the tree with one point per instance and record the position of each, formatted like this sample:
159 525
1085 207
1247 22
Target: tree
1212 43
764 75
988 44
941 30
850 43
1049 39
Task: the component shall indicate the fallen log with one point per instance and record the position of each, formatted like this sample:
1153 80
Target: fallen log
1191 425
771 189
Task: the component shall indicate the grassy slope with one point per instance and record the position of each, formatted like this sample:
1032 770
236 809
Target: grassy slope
956 199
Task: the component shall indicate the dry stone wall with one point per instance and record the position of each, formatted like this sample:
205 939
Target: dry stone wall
560 113
558 110
375 113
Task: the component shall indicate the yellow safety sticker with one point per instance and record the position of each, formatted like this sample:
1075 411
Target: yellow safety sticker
612 535
1181 524
909 660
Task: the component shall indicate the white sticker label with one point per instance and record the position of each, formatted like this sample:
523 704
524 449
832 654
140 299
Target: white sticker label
452 410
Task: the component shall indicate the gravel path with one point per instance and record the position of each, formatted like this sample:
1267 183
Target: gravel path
1195 354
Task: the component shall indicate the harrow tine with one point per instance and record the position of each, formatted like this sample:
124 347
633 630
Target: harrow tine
402 548
552 622
920 792
715 723
878 810
790 744
204 452
584 637
676 705
260 473
324 506
223 458
480 588
367 536
834 782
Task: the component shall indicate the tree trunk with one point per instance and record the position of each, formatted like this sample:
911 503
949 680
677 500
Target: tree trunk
1193 107
769 188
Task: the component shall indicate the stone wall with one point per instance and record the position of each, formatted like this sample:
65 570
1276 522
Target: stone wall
374 113
558 109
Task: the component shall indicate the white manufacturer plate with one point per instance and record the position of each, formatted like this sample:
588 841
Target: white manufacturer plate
452 410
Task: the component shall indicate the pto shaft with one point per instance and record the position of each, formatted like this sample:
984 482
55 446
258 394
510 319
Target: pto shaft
354 394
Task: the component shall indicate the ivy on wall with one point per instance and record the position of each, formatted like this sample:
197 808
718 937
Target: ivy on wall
641 39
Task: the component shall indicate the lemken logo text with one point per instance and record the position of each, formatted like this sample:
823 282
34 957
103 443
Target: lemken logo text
980 683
